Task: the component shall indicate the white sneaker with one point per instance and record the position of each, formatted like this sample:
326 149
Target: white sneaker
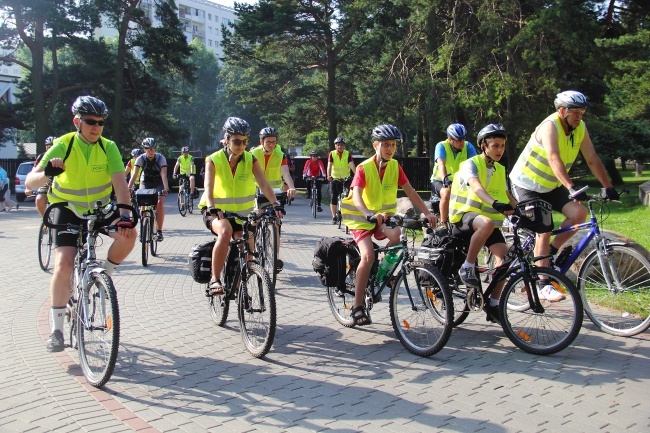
550 293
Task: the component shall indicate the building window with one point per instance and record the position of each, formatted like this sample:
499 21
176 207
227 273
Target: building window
209 42
210 17
226 21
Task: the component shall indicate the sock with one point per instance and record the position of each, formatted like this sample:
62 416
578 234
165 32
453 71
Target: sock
552 250
58 314
467 265
110 267
494 302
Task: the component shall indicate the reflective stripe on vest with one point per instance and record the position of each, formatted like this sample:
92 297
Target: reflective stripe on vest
464 200
340 165
533 163
272 170
185 164
452 161
83 183
378 195
232 193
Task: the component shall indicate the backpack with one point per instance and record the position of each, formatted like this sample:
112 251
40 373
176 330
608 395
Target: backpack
200 262
330 260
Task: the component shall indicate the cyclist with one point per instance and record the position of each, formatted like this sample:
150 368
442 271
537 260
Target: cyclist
85 167
154 176
230 177
129 169
276 168
374 197
314 168
339 166
185 165
447 158
542 171
292 168
479 200
41 200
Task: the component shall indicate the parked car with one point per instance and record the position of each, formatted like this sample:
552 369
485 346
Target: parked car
21 174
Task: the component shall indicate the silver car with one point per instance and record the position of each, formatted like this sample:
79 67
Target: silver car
21 174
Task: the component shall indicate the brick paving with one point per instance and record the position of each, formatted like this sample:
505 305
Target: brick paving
179 372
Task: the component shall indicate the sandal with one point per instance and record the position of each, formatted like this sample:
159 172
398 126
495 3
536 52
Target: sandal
360 319
215 288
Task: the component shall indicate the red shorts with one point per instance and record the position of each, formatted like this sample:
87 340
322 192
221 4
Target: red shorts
360 234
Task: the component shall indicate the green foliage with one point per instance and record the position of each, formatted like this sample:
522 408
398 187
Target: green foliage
317 141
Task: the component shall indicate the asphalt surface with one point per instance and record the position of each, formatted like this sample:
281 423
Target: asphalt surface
179 372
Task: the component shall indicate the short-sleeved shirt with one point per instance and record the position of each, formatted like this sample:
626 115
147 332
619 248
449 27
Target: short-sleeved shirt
59 149
151 176
360 177
470 170
442 153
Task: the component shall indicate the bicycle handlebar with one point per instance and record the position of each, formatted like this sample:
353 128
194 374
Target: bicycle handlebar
400 221
99 211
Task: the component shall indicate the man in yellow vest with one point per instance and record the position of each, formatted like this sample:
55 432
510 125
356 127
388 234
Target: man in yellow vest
129 169
41 200
373 200
542 171
276 168
230 177
185 165
479 200
339 166
85 167
447 158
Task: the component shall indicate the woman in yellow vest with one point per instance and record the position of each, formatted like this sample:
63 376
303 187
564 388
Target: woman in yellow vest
479 200
541 171
339 166
372 200
230 177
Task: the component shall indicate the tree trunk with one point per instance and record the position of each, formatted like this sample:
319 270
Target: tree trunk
639 168
614 174
40 117
123 28
623 166
331 99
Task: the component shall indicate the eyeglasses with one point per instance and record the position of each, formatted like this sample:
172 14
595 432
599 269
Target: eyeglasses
92 122
579 111
146 149
238 142
387 145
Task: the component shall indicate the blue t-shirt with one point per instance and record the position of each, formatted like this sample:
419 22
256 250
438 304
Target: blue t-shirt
440 151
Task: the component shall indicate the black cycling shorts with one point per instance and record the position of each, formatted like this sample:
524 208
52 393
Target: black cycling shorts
208 218
66 216
558 197
464 229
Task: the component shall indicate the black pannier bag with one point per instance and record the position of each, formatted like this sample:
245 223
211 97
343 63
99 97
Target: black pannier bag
442 250
536 215
200 262
329 260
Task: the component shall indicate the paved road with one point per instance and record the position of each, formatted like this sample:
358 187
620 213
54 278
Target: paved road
177 371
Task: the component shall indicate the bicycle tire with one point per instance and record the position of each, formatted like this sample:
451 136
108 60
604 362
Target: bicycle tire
257 315
541 333
461 309
144 234
314 206
626 311
342 300
98 333
182 203
422 313
189 200
153 237
266 244
44 247
219 307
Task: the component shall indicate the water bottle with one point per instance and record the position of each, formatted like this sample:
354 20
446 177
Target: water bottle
386 265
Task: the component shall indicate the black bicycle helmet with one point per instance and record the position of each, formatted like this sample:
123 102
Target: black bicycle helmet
185 149
268 132
313 153
136 152
491 130
237 126
89 105
49 140
149 142
571 99
456 131
339 140
386 132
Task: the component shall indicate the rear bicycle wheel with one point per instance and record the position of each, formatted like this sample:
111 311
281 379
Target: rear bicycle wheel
421 310
44 247
257 315
342 300
547 332
461 309
219 307
98 330
616 296
145 232
182 201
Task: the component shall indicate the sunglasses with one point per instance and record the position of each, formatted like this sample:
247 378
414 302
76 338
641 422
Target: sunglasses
580 111
92 122
238 142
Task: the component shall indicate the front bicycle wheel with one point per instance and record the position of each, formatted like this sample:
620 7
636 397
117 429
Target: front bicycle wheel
616 295
44 247
189 201
313 203
182 203
421 310
153 238
546 332
257 311
145 232
341 300
266 244
98 330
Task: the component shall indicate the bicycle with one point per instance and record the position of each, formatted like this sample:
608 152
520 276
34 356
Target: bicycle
421 305
537 327
345 190
92 311
248 284
185 196
313 200
267 238
45 238
147 200
613 279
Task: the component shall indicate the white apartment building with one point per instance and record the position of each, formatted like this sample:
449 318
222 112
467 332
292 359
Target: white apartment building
9 76
202 20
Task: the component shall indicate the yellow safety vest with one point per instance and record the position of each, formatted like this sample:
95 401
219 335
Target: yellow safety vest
272 170
232 193
378 195
464 200
340 165
533 163
452 161
185 164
